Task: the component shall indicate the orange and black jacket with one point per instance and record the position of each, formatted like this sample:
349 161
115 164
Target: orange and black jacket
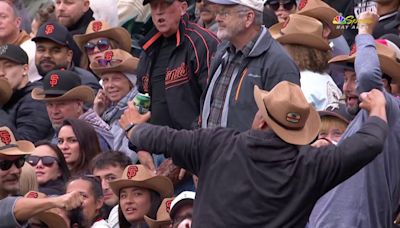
187 72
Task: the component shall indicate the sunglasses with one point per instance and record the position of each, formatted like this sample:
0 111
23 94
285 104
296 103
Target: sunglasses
102 45
6 164
47 161
108 62
274 5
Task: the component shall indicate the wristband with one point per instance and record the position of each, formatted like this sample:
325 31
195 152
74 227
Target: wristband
129 127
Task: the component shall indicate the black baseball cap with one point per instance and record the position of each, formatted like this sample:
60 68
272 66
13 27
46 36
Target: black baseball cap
14 53
55 32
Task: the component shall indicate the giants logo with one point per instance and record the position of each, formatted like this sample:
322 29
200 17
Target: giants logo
168 205
108 55
176 76
49 29
132 171
96 26
302 4
5 137
32 195
145 83
54 80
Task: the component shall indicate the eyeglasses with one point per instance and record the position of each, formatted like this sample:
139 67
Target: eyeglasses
223 13
286 5
108 62
47 161
6 164
102 45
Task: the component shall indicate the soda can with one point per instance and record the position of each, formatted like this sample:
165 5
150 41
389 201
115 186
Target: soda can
142 102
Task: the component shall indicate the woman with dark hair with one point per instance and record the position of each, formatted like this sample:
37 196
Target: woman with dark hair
79 143
140 193
50 167
89 214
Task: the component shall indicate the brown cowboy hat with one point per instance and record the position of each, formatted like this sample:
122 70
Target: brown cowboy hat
9 146
162 217
140 176
390 64
287 113
321 11
98 29
63 85
299 29
115 60
51 217
5 91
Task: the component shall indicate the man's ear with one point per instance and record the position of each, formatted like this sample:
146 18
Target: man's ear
183 7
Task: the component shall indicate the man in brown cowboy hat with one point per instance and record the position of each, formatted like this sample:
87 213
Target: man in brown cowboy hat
14 210
65 97
267 176
368 199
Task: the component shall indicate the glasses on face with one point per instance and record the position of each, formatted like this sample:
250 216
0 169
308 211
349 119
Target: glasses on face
6 164
47 161
286 5
108 62
102 45
224 13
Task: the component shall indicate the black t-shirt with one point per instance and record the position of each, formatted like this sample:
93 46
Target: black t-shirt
159 107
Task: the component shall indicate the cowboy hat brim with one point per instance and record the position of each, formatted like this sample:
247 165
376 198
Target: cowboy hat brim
118 34
127 66
305 39
5 91
156 223
303 136
388 65
52 219
82 92
326 15
160 184
22 147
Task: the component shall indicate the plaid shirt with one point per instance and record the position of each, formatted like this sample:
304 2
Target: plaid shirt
219 94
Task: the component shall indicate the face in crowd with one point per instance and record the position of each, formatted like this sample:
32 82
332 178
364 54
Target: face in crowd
116 85
282 8
349 90
207 11
107 174
95 48
231 21
10 171
166 15
135 203
332 128
9 21
58 111
46 163
51 56
15 74
68 12
69 145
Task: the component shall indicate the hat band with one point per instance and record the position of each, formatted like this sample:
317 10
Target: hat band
8 146
280 124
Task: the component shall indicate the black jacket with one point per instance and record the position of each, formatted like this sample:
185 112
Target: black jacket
187 71
254 179
27 115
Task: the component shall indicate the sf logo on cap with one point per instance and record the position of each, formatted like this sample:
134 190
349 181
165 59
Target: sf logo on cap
302 4
96 26
108 55
5 137
49 29
54 80
168 205
132 170
32 195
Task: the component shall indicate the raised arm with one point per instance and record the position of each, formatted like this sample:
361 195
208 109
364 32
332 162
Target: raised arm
367 66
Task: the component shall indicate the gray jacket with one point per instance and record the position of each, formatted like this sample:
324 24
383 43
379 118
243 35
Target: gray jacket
266 65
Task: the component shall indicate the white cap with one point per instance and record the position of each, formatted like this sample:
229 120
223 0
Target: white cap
183 196
254 4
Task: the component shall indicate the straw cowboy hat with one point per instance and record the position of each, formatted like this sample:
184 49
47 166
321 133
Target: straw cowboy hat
299 29
287 113
115 60
5 91
9 146
51 217
321 11
98 29
140 176
163 218
390 64
63 85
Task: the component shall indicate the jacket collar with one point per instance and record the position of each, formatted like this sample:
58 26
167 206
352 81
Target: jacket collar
83 22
